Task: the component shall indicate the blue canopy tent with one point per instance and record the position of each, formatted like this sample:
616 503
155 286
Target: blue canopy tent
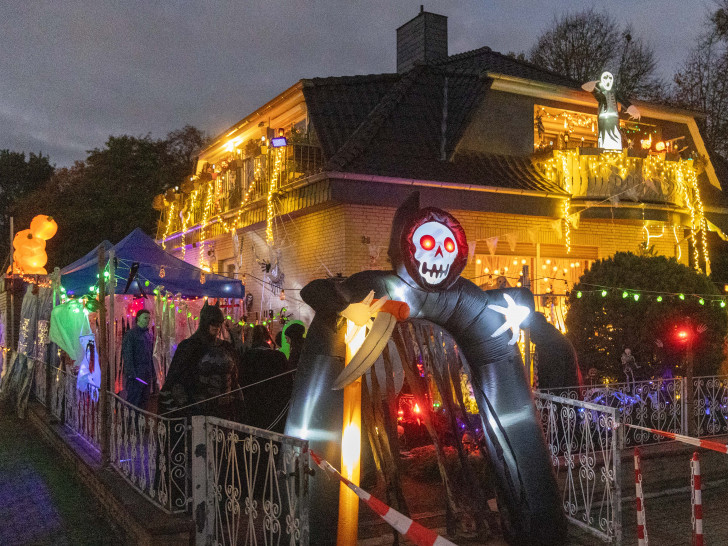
137 251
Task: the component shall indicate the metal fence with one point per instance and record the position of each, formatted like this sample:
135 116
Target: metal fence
151 453
710 413
657 404
250 484
584 442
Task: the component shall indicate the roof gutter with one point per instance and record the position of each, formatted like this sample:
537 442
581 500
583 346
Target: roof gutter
433 184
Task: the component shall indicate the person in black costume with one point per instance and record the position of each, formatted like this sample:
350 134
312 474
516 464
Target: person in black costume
203 375
136 350
266 400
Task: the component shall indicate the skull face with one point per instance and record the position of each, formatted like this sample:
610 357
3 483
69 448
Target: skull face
435 251
607 81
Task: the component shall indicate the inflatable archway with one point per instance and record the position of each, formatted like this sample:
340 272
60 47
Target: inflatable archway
428 251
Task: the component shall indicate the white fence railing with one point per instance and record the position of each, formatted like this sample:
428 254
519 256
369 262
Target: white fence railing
584 442
251 484
657 404
151 453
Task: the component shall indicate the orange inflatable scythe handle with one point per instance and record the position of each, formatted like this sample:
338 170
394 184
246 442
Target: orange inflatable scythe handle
398 309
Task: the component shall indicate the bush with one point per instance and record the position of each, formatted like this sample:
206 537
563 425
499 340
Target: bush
601 327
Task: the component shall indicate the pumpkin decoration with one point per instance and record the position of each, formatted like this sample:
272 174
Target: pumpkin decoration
43 227
30 256
20 238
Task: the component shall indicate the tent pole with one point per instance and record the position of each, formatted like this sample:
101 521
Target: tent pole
112 321
105 426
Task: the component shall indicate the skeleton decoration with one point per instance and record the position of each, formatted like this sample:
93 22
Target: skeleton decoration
428 250
606 94
436 249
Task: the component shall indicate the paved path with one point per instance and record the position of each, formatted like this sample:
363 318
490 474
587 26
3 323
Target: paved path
41 500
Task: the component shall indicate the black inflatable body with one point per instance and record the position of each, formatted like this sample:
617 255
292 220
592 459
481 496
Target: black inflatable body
432 287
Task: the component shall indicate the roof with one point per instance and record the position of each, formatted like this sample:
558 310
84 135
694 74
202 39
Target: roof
155 265
408 125
485 59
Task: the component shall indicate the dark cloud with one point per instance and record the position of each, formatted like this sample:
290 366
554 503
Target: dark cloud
73 73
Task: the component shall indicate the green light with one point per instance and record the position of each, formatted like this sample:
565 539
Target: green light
701 301
682 296
252 325
179 309
625 294
659 298
156 291
189 315
146 283
578 294
91 288
197 318
604 293
240 323
636 297
722 304
106 274
229 317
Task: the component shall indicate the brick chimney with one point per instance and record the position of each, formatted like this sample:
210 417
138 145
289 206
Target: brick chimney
421 40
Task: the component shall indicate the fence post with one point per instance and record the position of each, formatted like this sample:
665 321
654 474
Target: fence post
684 406
203 511
617 446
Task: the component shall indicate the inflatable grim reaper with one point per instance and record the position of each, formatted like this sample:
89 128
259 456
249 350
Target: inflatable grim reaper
428 250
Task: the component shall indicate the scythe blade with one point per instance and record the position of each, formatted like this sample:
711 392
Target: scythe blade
369 351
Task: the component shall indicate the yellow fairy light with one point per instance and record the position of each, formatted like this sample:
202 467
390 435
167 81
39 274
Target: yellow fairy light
170 215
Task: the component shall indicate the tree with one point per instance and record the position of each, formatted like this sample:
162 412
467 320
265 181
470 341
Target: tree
601 327
582 45
111 192
18 177
701 83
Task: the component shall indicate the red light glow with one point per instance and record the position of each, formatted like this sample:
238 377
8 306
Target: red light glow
427 242
449 244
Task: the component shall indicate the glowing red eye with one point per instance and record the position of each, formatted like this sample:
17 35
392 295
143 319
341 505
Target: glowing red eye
427 242
449 244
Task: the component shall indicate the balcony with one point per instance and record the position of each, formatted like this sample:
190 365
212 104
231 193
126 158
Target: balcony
236 184
590 174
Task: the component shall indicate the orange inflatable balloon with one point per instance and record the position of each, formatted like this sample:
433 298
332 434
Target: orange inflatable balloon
20 237
43 227
33 261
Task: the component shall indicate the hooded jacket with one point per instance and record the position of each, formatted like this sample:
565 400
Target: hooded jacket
203 368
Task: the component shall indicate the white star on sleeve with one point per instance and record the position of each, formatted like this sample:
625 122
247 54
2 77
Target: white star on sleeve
515 314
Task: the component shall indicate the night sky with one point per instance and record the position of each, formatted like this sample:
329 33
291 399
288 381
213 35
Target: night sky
73 73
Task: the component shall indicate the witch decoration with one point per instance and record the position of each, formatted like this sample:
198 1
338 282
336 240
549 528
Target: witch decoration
428 251
608 98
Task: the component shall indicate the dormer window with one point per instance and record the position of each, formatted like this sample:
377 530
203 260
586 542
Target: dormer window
560 129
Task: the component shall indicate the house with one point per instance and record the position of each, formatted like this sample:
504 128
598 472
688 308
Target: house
306 186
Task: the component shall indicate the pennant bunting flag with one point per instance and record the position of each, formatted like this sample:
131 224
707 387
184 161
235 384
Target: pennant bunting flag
492 243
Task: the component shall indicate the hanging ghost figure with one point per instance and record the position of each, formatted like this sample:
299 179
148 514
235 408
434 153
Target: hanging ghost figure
608 121
428 250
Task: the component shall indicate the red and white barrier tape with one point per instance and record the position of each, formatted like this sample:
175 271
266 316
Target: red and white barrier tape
697 442
696 500
411 530
640 499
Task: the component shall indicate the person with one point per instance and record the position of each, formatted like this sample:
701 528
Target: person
266 396
203 375
137 346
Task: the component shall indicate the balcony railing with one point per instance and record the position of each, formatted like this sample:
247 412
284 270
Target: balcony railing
243 182
629 175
